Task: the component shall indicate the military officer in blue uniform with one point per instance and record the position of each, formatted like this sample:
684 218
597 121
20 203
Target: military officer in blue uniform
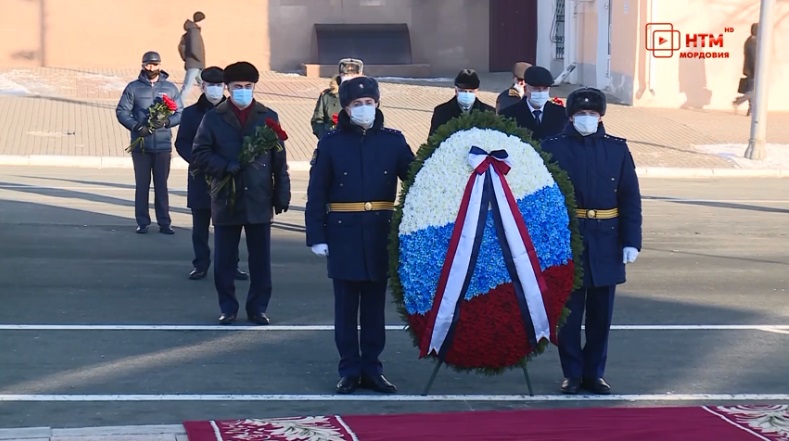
607 193
198 199
262 190
535 112
350 199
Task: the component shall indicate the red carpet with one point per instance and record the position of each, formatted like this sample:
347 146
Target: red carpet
725 423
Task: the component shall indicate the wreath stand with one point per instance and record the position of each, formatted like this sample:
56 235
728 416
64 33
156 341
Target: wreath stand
441 362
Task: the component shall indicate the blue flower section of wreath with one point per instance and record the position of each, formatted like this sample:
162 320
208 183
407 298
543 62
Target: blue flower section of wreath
422 252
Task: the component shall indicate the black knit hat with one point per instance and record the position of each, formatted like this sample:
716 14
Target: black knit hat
467 79
538 77
586 98
241 71
359 87
198 16
213 74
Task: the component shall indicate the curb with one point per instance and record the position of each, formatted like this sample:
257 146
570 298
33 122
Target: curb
39 433
123 162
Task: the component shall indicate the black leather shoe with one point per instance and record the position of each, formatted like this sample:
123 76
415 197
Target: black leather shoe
197 274
347 385
596 386
241 275
571 386
259 319
166 230
142 229
226 319
378 383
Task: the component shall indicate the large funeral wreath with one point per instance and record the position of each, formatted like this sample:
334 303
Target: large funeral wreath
491 323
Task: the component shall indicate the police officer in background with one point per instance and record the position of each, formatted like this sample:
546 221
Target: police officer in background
198 198
262 190
603 173
515 93
132 113
350 199
535 112
464 101
328 103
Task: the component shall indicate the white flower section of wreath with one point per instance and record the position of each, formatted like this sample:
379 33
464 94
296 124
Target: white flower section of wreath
435 196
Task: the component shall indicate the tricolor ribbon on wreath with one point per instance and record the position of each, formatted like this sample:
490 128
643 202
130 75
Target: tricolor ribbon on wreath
487 186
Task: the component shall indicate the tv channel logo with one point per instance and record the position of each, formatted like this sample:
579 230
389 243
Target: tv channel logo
662 39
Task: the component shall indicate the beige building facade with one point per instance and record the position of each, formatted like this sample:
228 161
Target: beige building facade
649 62
606 40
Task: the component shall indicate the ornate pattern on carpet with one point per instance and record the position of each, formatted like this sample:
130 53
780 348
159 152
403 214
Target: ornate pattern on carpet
769 421
310 428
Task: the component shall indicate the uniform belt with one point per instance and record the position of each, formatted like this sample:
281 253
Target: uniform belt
350 207
585 213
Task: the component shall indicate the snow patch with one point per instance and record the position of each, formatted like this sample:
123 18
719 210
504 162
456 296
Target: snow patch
777 155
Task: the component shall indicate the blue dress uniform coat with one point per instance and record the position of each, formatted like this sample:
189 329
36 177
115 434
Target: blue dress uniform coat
603 173
353 165
261 188
553 119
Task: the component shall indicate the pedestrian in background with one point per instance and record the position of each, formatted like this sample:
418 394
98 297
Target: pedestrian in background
515 93
192 50
327 108
198 198
747 82
151 157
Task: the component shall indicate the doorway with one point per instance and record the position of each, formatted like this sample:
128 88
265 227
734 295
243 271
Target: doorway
513 33
603 44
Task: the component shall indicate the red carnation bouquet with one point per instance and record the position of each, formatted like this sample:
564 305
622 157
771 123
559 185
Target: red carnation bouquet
334 120
160 110
268 137
558 101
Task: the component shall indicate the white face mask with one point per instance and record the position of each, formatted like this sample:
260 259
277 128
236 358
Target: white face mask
466 99
214 93
585 124
363 116
538 99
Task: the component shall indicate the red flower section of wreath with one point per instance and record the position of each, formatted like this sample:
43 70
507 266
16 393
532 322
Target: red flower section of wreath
490 332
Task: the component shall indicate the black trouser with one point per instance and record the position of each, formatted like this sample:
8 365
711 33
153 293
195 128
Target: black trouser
156 164
367 302
201 224
226 241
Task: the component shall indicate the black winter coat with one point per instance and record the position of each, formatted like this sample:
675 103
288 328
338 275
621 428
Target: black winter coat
197 195
133 107
260 187
554 119
443 113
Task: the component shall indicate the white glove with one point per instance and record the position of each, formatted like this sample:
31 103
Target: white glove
320 249
629 255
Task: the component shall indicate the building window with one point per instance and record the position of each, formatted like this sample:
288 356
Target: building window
557 31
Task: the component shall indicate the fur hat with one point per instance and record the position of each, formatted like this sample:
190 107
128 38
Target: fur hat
359 87
351 66
467 79
586 98
519 69
241 71
213 74
538 77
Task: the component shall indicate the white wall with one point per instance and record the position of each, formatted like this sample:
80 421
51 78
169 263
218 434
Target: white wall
545 48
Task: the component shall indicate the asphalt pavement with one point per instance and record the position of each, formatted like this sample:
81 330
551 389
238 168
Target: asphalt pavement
714 255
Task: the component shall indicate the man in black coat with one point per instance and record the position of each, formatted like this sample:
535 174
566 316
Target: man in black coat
535 112
152 156
197 196
192 50
748 69
515 93
262 189
464 101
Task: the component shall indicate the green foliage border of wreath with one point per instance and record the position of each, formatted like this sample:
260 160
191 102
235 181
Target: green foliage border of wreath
482 120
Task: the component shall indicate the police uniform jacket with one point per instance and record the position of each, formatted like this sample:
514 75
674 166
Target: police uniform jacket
355 165
197 189
260 187
132 110
553 119
603 173
443 113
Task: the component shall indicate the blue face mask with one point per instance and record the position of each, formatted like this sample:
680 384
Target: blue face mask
242 97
